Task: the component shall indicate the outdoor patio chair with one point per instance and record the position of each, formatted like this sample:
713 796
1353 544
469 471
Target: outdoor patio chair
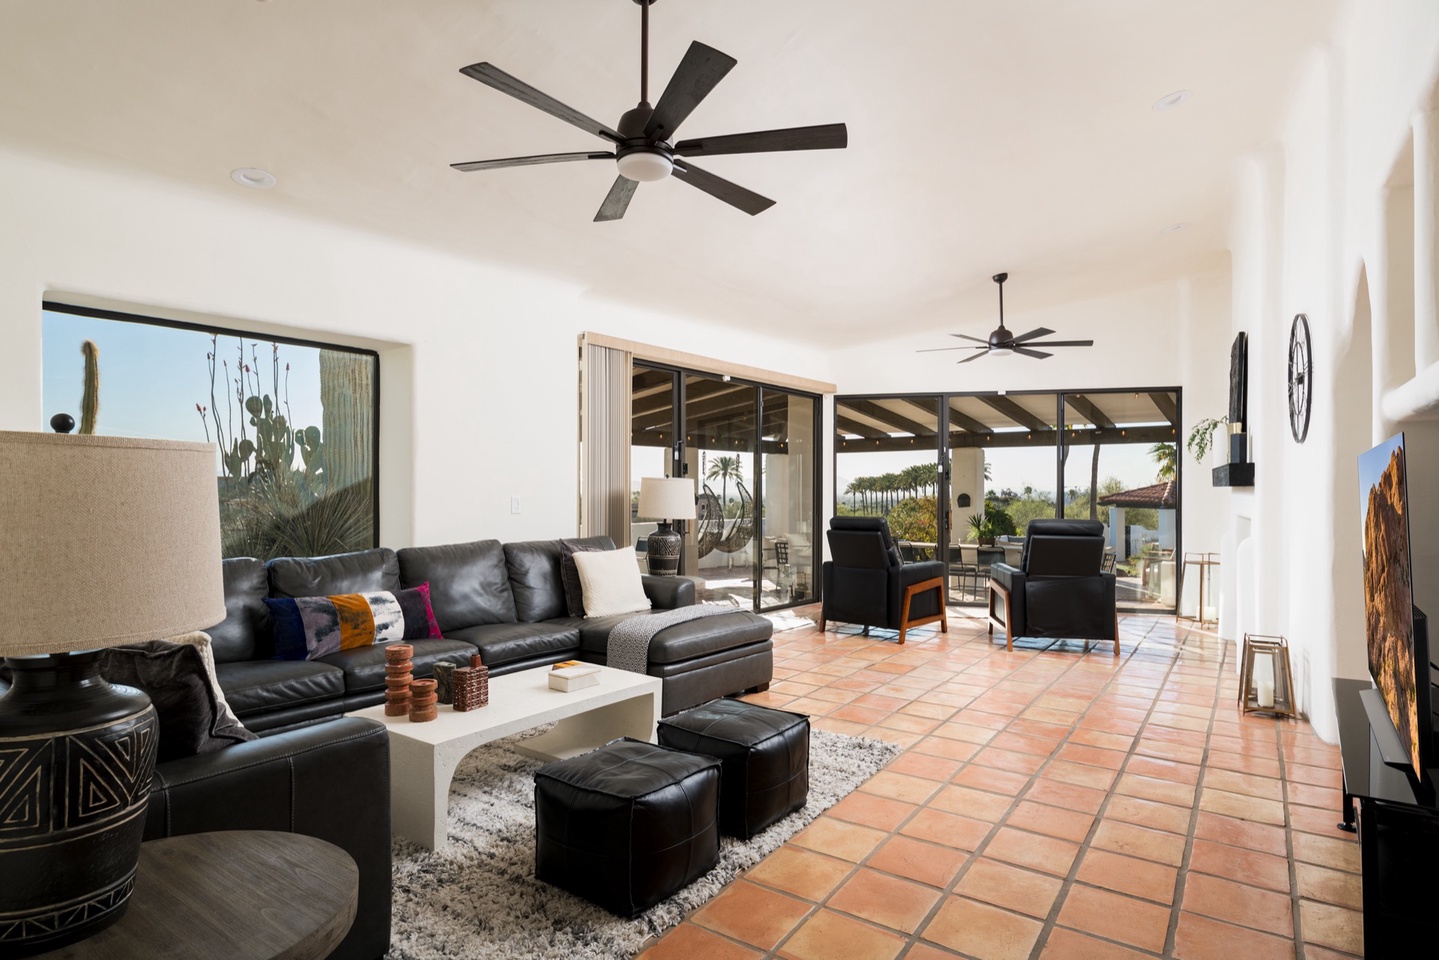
868 583
1060 589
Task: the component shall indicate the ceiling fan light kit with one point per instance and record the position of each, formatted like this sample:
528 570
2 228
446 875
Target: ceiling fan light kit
643 141
1003 343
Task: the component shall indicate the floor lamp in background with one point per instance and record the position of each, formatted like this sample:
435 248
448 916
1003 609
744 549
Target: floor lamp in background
107 541
666 499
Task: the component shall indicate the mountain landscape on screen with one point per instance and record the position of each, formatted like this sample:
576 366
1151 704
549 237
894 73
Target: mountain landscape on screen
1388 599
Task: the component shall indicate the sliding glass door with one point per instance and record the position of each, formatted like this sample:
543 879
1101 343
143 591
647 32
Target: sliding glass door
959 476
750 449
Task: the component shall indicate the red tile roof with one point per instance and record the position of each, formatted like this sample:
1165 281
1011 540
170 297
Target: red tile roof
1160 495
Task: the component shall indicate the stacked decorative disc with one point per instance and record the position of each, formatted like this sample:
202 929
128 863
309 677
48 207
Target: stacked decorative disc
423 701
471 687
399 674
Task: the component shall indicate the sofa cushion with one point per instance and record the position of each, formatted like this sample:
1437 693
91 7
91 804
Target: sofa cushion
259 686
364 667
535 581
244 634
358 572
570 575
190 716
469 582
502 643
307 628
684 641
610 582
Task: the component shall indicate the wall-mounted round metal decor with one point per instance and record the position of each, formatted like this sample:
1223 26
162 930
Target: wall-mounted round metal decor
1301 377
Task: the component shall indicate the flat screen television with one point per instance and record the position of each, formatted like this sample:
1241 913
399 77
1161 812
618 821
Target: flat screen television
1394 628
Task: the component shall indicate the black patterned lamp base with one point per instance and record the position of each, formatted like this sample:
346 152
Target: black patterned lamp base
76 758
663 550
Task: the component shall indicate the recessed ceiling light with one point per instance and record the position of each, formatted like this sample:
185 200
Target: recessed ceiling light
1174 228
253 177
1172 100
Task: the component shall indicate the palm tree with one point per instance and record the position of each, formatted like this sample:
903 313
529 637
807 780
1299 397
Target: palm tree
1166 455
723 469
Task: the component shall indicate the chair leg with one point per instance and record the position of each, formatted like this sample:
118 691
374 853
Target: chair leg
1116 631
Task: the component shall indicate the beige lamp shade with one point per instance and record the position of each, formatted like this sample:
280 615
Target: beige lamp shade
106 541
665 498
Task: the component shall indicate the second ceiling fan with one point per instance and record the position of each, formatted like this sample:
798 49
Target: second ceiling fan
1003 342
643 140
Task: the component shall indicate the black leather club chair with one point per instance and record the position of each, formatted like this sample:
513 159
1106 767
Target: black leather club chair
1059 589
866 582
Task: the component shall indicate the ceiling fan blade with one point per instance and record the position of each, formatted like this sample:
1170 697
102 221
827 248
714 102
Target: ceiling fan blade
831 136
493 76
965 336
528 161
1064 343
1036 354
617 201
1036 332
983 353
701 69
941 349
721 189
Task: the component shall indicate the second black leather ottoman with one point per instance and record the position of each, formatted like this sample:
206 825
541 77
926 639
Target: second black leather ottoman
627 825
765 754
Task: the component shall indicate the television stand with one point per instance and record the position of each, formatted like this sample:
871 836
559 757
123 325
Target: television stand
1398 825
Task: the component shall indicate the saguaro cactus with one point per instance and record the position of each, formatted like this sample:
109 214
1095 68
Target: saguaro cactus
90 402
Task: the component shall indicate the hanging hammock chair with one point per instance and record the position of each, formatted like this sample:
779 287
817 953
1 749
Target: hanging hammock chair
710 520
739 535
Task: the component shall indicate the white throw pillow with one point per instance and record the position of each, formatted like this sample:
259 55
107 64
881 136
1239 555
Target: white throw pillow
200 640
610 582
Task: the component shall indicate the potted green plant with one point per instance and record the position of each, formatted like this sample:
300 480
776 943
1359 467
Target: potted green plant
1201 438
988 524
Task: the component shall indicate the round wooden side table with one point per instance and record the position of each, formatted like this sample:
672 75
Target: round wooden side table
231 895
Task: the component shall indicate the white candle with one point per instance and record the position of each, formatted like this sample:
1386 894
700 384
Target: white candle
1264 690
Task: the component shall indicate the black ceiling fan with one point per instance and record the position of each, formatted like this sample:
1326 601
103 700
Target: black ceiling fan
1003 342
643 139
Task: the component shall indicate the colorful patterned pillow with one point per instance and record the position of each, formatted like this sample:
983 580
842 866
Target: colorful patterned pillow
311 627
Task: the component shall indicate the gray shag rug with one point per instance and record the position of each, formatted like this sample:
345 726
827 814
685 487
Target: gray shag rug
478 897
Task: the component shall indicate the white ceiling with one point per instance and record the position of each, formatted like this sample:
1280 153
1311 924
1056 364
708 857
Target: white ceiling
985 135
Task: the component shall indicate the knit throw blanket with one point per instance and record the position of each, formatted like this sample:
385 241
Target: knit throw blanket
629 643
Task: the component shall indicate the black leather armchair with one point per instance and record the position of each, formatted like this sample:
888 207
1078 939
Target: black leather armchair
867 583
1059 589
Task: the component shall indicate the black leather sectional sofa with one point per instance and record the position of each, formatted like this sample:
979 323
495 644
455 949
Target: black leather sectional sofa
504 601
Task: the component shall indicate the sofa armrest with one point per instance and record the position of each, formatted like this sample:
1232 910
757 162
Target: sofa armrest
329 780
668 593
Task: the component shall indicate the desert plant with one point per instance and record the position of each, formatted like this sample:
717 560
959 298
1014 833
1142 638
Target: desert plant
90 401
1201 438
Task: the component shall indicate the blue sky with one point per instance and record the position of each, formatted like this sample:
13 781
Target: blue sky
151 377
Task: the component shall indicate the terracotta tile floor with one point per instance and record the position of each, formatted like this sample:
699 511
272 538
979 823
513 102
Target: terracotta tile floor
1051 804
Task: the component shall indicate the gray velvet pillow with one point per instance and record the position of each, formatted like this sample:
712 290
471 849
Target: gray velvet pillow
173 675
570 575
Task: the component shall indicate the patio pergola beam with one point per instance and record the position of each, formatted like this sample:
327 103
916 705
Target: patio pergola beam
1015 438
1013 411
1088 410
1164 402
889 418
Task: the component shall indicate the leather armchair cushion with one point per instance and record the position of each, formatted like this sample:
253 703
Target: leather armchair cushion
244 634
534 571
626 825
364 667
258 686
1008 577
502 643
469 582
1055 547
358 572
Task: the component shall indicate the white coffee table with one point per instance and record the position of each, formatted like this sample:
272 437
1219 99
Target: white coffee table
423 756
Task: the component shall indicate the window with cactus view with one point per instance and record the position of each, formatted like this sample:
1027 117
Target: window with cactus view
294 424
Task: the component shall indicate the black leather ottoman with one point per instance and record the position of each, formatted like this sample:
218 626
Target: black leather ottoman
765 754
627 825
